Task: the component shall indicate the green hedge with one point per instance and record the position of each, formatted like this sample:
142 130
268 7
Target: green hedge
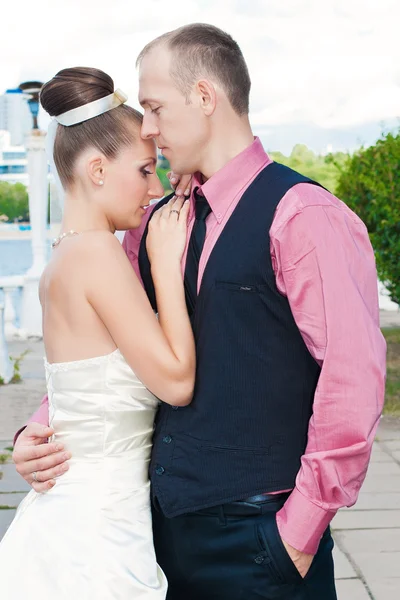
369 183
14 203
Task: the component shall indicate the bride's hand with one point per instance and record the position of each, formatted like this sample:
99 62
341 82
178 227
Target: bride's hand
166 239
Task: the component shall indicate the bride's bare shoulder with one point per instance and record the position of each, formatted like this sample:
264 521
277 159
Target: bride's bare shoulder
84 253
91 244
98 238
102 246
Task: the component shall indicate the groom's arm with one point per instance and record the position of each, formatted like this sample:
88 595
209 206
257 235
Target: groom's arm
324 264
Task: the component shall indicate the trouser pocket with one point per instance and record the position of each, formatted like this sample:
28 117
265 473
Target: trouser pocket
270 542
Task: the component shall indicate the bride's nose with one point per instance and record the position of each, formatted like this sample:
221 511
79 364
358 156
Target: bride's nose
156 190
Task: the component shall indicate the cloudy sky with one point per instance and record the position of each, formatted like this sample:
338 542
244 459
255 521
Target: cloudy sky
323 71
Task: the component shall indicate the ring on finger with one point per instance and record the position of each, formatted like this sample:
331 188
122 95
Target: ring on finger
174 211
34 475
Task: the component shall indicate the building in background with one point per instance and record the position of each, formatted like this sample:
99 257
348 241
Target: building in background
13 161
15 116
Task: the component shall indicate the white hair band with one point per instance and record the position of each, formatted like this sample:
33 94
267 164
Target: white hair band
92 109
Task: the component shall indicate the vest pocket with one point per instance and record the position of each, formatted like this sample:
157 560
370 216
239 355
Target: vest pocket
244 288
265 451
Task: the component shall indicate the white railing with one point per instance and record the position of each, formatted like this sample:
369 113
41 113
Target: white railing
11 291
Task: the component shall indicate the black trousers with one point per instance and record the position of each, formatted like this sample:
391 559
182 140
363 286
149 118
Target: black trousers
234 552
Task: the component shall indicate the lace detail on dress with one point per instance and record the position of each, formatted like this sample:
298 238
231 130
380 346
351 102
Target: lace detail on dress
78 364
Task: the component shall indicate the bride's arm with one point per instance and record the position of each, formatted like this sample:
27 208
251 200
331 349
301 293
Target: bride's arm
162 354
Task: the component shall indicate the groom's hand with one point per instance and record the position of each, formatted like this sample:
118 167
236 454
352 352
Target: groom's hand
302 561
180 183
32 454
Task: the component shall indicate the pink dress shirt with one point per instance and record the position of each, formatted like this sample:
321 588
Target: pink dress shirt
324 264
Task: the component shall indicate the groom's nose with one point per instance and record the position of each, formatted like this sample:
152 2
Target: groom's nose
149 127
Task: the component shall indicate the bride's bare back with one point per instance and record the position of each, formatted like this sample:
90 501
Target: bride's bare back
72 328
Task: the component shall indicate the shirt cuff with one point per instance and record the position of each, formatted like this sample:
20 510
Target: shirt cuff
301 523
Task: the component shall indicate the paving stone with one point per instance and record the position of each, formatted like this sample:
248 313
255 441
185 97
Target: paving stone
396 455
383 483
6 516
389 428
366 519
376 566
378 455
351 589
11 500
389 467
343 567
385 588
375 552
382 541
376 501
393 445
11 481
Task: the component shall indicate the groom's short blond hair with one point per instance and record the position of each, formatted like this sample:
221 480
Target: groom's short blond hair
201 50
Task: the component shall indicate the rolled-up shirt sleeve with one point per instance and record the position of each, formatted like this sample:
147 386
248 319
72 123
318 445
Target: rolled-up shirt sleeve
324 264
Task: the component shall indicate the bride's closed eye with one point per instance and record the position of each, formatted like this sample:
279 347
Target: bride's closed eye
145 171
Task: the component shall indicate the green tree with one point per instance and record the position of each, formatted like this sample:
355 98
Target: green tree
319 168
14 203
162 174
369 183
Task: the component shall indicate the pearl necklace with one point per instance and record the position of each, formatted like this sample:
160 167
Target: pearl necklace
58 239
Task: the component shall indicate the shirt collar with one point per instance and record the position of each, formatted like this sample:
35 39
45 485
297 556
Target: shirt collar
224 186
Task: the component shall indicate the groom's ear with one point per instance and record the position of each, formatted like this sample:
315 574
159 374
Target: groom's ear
96 169
207 96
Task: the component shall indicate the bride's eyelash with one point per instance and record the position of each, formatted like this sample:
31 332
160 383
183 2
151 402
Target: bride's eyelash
145 172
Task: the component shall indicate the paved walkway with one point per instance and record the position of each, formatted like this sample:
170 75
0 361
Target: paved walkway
367 536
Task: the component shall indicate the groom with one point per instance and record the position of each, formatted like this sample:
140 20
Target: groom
281 287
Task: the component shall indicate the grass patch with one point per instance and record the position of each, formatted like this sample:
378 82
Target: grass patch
392 399
5 458
16 360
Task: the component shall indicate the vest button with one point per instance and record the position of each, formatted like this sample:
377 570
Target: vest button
259 559
160 470
167 439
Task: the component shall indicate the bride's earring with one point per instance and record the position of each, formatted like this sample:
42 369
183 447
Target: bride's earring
101 182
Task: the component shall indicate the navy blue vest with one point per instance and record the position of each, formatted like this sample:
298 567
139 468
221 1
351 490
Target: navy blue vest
246 428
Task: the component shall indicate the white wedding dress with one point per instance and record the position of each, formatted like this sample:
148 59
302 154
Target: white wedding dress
90 536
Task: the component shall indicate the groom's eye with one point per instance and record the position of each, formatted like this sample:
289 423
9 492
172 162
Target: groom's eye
156 110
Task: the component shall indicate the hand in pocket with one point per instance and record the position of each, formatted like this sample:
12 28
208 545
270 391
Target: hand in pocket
301 560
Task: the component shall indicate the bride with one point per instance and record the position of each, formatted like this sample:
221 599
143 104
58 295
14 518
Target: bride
108 358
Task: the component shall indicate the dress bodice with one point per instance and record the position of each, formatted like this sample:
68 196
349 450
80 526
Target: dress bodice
101 412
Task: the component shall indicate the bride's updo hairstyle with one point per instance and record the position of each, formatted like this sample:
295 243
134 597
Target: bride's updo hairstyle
108 132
